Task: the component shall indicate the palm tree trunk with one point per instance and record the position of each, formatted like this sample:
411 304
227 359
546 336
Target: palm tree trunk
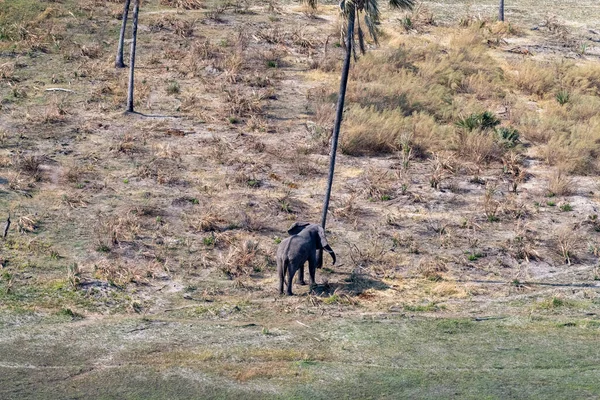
501 11
119 61
136 9
338 120
339 112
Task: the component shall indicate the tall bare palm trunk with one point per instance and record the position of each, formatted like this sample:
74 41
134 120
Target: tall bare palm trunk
119 60
338 119
136 9
501 11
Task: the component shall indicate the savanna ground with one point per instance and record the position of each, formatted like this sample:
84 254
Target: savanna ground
140 259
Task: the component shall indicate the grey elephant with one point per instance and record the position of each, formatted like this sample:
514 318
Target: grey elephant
303 245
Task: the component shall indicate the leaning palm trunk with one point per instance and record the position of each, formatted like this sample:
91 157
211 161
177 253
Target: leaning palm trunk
339 113
136 9
501 11
119 60
338 120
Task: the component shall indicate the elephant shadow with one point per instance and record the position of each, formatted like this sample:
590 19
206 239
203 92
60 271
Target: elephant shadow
354 284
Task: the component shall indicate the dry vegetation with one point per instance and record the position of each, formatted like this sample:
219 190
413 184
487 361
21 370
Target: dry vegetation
462 150
465 188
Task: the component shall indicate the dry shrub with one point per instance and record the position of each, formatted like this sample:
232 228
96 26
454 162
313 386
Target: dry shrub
27 223
514 208
448 289
301 39
567 242
367 131
522 245
418 19
120 274
560 184
92 51
73 174
575 150
207 220
477 146
257 123
242 260
378 185
252 221
184 28
19 182
270 35
372 255
432 268
585 78
126 143
347 208
74 200
7 71
56 111
558 29
166 150
243 104
185 4
164 171
302 165
111 230
443 164
28 164
232 64
490 204
514 168
533 78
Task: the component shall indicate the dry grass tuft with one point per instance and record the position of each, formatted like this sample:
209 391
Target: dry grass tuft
120 274
207 220
432 268
185 4
111 230
28 164
567 242
242 260
560 184
523 245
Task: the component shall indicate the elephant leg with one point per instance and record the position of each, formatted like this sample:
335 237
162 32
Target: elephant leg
291 272
281 273
301 275
312 268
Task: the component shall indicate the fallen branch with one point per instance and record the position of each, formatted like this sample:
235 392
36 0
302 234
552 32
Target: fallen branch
59 90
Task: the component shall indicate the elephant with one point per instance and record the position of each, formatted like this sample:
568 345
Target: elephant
303 245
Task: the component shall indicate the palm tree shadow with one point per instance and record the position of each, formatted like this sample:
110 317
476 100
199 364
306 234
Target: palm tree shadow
354 285
151 115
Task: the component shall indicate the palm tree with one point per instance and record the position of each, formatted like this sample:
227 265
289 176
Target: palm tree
352 10
119 61
136 9
501 11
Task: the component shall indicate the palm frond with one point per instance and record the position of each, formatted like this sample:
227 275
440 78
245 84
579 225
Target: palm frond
345 6
312 4
354 54
361 37
372 28
406 4
371 8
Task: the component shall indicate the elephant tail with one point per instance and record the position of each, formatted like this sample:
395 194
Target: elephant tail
284 270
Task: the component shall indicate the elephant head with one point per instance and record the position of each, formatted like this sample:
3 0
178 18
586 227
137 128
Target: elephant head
316 234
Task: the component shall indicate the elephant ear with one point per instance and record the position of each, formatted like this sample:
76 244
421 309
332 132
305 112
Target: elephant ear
297 227
322 241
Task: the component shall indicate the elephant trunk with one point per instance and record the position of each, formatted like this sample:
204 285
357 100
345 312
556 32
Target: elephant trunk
331 252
